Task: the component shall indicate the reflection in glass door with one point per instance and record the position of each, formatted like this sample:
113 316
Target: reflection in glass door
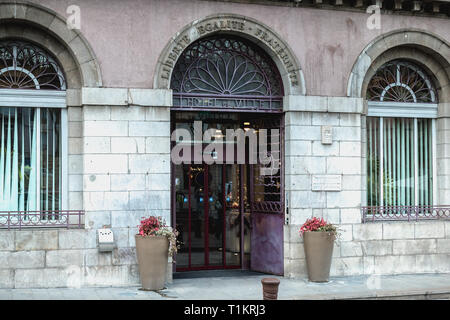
232 254
214 211
229 215
208 215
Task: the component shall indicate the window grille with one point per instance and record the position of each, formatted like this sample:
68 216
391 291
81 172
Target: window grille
401 145
226 73
26 66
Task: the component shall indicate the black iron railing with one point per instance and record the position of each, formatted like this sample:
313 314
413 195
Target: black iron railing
69 219
404 213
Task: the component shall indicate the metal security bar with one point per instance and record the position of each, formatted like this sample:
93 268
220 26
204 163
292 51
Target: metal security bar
69 219
401 166
267 190
404 213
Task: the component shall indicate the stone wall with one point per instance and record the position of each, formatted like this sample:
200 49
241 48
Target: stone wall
126 165
118 137
63 258
126 175
75 157
118 172
369 248
379 248
443 153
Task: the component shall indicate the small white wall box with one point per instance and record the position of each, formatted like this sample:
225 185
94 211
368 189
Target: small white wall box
327 134
105 240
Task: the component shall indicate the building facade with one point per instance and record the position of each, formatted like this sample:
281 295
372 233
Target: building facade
90 93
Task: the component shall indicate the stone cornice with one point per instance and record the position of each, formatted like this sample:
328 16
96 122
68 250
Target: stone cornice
119 97
432 8
323 104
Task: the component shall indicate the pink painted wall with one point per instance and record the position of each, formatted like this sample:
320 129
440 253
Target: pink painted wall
128 36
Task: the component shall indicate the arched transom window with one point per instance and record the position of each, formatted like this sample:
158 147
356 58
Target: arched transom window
401 144
26 66
225 72
400 81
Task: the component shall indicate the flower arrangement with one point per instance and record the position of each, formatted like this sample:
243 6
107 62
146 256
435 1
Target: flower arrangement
156 226
316 224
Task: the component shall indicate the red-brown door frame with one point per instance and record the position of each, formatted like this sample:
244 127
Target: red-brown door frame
206 219
206 206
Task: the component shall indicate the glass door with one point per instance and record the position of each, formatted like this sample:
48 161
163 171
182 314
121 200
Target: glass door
230 215
208 216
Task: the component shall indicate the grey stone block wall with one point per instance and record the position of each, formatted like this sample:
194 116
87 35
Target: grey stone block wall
118 172
357 254
62 258
443 156
126 163
370 248
126 159
307 156
119 167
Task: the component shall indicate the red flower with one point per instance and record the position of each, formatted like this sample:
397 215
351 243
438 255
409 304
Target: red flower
316 224
150 225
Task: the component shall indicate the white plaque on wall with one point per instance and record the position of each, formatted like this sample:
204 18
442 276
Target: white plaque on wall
329 182
327 134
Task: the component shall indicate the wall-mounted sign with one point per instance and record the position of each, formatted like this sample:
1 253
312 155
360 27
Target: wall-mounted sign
326 182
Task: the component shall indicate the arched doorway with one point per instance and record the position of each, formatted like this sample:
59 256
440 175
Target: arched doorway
227 187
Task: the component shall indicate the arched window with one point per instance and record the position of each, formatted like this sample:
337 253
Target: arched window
26 66
400 81
401 144
226 72
32 124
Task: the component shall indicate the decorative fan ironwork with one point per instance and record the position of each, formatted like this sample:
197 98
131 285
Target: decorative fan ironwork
26 66
231 71
399 81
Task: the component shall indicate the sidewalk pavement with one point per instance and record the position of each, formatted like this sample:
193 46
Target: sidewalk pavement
248 287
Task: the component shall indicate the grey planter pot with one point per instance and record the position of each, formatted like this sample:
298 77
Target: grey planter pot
152 255
318 252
